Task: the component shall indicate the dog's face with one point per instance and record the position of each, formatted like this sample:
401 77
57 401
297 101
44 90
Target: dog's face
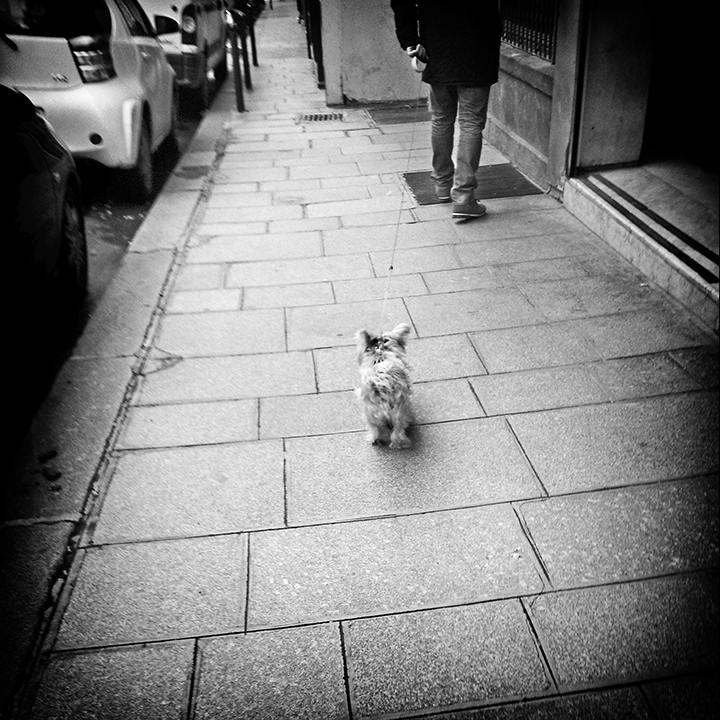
374 348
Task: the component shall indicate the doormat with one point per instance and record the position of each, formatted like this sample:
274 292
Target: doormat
494 181
397 113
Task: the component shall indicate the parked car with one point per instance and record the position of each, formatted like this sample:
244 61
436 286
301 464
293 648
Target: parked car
45 261
199 46
97 71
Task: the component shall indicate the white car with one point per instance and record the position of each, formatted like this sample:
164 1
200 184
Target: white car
199 47
97 71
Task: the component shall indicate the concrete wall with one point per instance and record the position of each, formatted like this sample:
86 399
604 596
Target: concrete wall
520 112
362 58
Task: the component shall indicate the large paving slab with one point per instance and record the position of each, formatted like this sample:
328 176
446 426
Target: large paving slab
448 313
628 631
472 278
263 213
610 445
294 673
457 464
627 533
414 260
317 414
200 301
644 376
585 297
248 248
444 400
311 195
189 424
289 295
641 332
329 572
374 288
175 380
193 491
521 272
156 591
442 658
538 390
199 277
492 251
402 236
222 333
132 683
533 346
300 270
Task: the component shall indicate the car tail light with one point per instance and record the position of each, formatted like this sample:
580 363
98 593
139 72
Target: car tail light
188 25
92 57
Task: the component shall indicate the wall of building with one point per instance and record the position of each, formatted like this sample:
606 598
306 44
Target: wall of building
520 112
362 58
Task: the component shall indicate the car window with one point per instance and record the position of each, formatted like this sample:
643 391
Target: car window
54 18
136 18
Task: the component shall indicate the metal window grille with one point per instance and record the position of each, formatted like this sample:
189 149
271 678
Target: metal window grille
531 25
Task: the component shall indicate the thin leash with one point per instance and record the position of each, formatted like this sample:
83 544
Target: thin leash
405 191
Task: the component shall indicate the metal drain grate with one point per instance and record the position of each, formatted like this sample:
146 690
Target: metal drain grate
321 117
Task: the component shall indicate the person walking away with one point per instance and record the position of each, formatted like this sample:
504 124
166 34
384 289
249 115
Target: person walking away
459 40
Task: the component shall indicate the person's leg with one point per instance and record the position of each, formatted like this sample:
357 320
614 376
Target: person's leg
472 113
443 110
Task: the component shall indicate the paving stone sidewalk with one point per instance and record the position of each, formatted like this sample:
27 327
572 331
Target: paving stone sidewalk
547 549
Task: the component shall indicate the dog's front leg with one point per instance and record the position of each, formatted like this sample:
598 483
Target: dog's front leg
398 437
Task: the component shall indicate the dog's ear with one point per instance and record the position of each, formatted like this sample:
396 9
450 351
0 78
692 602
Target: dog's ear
399 333
363 339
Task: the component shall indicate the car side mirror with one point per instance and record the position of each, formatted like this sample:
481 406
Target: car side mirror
165 25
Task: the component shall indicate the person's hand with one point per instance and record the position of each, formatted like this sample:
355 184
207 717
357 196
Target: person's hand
418 52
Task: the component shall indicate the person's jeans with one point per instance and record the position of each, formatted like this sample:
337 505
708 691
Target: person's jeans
469 105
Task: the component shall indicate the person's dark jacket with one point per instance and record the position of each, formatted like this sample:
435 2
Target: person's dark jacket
461 38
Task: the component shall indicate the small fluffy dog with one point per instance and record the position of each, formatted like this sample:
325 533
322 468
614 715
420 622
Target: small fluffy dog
385 385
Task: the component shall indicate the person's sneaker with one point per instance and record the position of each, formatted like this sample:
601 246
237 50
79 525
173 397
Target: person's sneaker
443 193
470 210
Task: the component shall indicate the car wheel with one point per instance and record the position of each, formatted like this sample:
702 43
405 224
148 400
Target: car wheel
73 261
140 178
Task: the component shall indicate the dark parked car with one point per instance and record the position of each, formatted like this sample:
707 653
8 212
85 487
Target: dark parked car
45 255
45 262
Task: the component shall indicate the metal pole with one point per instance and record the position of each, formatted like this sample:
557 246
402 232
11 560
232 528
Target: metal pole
246 59
237 73
252 42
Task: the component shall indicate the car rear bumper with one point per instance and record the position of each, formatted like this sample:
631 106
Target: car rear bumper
97 122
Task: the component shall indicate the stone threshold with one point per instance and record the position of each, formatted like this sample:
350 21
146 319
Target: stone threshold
660 253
